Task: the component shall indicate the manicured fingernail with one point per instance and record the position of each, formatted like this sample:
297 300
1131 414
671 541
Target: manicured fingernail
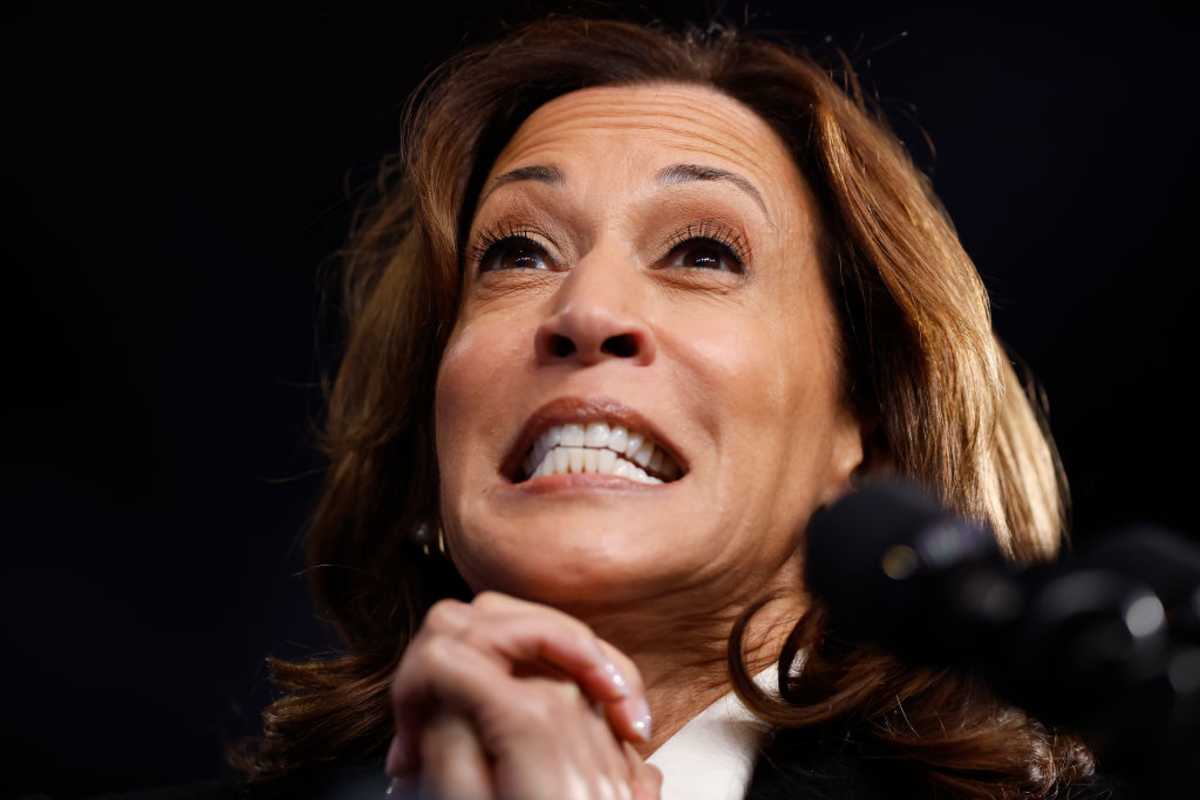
640 711
610 669
616 678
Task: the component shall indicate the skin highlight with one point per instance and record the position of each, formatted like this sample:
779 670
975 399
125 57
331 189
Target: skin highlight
738 365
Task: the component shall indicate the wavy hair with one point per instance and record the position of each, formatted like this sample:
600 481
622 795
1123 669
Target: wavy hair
918 355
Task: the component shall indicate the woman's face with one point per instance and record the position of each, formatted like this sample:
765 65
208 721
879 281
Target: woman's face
642 265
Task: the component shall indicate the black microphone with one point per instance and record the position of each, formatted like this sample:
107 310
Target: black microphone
1107 643
1165 563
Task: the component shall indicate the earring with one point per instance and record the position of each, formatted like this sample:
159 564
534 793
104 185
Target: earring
427 537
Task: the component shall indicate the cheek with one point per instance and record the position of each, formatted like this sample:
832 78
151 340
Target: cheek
758 367
478 369
766 382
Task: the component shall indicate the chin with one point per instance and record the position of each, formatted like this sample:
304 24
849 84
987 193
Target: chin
564 559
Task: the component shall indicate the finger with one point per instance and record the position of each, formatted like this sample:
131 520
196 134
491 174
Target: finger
453 763
447 616
563 641
607 749
649 785
630 717
540 638
586 742
522 631
647 778
495 604
440 672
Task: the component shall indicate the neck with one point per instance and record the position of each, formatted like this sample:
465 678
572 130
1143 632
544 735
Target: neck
684 674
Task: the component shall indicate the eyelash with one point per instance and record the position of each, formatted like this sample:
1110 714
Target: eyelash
728 239
492 237
712 231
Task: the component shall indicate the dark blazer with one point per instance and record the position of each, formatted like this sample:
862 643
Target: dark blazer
792 765
827 764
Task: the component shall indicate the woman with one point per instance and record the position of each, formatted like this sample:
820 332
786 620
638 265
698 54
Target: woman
631 307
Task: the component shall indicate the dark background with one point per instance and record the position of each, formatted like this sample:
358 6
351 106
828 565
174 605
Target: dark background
172 186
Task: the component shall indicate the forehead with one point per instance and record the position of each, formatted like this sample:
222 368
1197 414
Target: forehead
643 127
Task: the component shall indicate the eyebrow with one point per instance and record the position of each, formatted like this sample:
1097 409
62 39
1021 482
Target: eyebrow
667 176
542 174
682 173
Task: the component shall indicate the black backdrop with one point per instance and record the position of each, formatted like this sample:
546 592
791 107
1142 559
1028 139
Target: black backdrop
172 185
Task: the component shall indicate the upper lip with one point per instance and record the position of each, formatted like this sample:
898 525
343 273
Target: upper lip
564 410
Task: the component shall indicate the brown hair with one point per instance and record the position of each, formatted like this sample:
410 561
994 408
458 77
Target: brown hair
919 356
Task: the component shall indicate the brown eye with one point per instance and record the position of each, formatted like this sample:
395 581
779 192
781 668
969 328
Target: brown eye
704 253
513 252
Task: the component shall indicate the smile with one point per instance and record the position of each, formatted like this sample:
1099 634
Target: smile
595 436
599 448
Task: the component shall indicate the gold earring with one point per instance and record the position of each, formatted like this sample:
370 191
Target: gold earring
428 537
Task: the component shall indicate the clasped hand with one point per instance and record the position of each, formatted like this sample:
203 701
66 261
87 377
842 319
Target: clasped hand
503 699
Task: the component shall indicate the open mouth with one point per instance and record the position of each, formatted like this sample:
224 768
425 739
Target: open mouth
599 448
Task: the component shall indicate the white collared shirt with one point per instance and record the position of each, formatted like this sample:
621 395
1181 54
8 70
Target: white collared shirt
712 757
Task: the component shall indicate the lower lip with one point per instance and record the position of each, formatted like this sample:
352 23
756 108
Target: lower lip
584 482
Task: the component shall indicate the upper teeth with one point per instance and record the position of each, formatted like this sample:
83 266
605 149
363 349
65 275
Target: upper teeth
602 448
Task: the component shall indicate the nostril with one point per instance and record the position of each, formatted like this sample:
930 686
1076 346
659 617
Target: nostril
622 346
561 346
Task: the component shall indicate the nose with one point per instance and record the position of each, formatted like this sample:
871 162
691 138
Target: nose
594 321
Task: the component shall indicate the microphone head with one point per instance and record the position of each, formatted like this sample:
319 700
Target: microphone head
1077 642
1166 563
896 569
871 555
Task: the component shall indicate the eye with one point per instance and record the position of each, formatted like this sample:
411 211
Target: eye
497 251
706 254
707 246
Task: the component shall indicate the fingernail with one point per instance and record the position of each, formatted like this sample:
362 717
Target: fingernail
639 710
610 669
616 678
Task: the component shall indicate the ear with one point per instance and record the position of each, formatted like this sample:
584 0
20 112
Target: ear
858 449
